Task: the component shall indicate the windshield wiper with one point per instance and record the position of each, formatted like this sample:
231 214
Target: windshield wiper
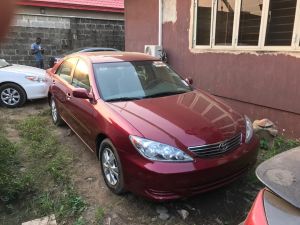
161 94
123 99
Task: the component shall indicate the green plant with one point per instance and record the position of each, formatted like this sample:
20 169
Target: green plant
12 182
80 221
57 166
264 144
45 184
99 216
64 204
45 203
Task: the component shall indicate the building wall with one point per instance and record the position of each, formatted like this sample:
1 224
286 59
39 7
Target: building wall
259 84
59 34
142 26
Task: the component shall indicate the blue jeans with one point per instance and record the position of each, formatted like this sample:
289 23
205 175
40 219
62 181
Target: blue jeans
40 64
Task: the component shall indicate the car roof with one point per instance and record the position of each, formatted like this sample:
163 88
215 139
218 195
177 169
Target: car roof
95 49
110 56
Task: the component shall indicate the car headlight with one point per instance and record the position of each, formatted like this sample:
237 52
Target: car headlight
35 78
157 151
249 129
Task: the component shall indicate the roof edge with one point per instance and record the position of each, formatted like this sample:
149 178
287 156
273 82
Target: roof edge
71 6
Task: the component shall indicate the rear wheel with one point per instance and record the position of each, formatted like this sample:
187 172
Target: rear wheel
111 167
12 95
56 118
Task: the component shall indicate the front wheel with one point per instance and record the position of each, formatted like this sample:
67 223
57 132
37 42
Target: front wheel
56 118
111 167
12 95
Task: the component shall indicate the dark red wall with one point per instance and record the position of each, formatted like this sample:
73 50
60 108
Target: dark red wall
144 26
258 84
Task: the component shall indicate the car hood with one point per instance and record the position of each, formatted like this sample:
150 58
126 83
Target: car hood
21 69
184 120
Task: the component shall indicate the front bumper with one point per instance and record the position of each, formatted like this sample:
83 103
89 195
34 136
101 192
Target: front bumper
161 181
36 90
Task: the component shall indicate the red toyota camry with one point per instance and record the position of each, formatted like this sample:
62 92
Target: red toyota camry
154 134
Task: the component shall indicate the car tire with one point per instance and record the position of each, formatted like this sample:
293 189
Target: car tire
12 95
111 167
56 118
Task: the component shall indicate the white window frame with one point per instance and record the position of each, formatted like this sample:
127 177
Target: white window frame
262 33
195 11
296 33
220 47
263 23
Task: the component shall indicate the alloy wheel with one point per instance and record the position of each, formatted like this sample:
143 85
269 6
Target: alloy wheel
53 110
110 166
10 96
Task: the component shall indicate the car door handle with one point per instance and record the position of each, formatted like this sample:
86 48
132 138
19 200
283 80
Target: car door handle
68 96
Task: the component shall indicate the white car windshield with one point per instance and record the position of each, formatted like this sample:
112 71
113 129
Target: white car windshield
123 81
3 63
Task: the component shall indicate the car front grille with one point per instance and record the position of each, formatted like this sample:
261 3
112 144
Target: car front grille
219 148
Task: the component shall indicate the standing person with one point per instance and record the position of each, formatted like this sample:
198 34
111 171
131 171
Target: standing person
38 51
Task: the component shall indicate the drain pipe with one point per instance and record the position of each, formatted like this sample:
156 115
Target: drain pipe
160 21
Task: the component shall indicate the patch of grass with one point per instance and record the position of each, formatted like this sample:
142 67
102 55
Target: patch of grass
43 147
264 144
99 216
12 182
56 167
80 221
65 204
45 184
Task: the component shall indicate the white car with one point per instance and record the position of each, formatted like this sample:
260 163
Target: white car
19 83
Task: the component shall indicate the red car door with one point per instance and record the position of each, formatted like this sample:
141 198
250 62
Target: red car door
82 111
61 87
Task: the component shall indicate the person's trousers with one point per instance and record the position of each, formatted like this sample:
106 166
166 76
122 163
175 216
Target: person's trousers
40 64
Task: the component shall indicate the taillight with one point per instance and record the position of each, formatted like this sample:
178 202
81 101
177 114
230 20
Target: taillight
257 215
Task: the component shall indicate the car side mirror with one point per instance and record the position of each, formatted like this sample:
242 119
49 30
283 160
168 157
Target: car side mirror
189 80
81 93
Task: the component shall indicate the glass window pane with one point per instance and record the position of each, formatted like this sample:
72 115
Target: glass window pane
81 76
224 22
280 22
65 70
250 19
203 22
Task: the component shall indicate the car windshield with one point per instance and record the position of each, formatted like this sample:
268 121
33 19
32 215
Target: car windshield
3 63
123 81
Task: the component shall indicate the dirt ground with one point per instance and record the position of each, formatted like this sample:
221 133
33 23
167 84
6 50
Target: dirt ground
228 205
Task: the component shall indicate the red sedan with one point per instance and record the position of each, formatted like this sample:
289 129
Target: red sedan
154 134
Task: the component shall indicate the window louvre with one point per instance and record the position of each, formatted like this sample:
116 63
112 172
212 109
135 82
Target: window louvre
249 24
280 23
203 22
224 22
